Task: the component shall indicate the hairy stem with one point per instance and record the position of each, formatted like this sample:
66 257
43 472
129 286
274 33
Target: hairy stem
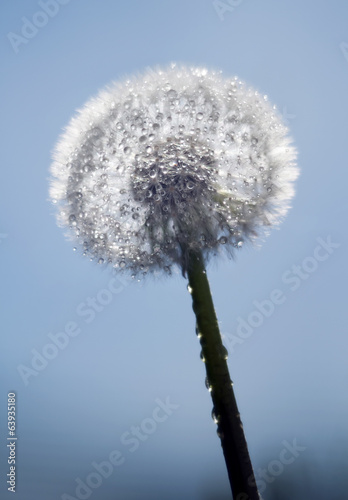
225 411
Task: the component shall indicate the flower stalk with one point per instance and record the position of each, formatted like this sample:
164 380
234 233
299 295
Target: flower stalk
225 411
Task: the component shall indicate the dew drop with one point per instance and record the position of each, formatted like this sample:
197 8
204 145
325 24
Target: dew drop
199 116
189 289
149 149
127 150
72 220
223 240
215 416
172 94
122 264
220 434
223 352
207 384
101 261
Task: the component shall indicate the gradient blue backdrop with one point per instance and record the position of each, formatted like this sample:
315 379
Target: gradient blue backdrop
290 375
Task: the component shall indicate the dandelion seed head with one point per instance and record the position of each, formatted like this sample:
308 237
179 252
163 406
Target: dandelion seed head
174 160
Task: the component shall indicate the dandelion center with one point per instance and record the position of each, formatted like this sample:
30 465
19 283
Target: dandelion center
174 174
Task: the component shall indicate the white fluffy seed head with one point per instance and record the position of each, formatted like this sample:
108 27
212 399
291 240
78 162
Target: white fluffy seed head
174 160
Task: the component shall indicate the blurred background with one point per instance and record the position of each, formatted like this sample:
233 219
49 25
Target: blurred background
89 400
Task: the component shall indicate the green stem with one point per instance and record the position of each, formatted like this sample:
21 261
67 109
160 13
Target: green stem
226 414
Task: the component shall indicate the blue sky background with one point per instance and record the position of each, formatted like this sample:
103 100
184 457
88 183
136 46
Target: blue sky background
290 374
